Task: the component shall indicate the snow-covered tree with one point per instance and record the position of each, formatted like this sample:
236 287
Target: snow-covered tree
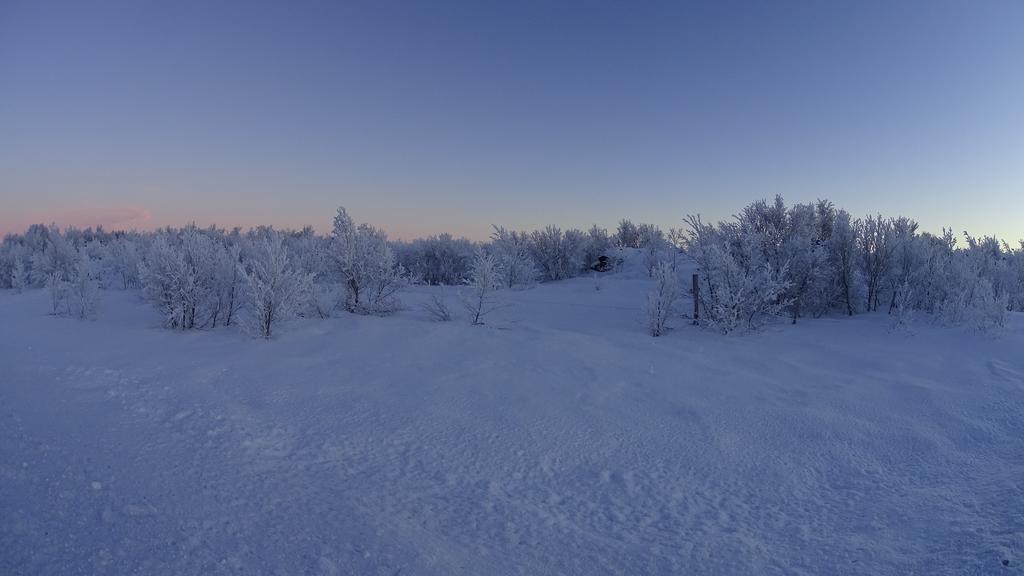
627 235
655 247
559 255
15 260
513 258
56 260
227 282
974 291
276 289
767 226
171 281
436 260
739 290
905 262
57 288
479 296
876 247
598 244
805 259
847 280
1015 277
192 258
82 291
365 265
901 309
19 275
310 253
660 302
124 262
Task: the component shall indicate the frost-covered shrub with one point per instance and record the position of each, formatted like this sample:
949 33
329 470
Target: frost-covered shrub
513 258
15 264
437 260
57 288
971 298
227 284
479 297
656 248
803 258
989 310
325 299
738 288
124 262
627 235
168 283
181 277
310 253
19 275
57 258
901 310
82 292
660 302
1015 277
365 265
597 244
876 244
276 289
437 308
847 279
559 255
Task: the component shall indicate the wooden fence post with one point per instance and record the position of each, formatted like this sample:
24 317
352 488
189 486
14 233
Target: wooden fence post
696 300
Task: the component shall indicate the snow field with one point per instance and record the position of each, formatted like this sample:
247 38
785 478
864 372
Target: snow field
556 439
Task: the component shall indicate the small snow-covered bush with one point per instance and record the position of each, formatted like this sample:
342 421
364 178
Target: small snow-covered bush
57 288
479 298
901 311
661 301
19 275
82 291
437 308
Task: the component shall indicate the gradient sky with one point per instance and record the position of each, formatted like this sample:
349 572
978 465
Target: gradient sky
423 117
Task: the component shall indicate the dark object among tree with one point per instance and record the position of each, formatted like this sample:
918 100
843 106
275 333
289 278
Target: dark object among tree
603 264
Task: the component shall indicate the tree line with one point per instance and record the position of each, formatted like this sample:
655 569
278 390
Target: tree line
767 262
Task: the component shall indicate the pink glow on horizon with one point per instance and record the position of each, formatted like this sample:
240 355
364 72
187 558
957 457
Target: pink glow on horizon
110 218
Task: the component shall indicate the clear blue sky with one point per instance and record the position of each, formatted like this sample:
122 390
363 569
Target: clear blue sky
431 116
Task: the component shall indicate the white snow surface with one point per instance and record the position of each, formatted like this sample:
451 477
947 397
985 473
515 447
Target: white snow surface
557 439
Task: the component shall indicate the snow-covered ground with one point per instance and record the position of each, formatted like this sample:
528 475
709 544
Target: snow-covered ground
557 439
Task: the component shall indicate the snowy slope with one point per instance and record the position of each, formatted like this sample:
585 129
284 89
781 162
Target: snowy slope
557 439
